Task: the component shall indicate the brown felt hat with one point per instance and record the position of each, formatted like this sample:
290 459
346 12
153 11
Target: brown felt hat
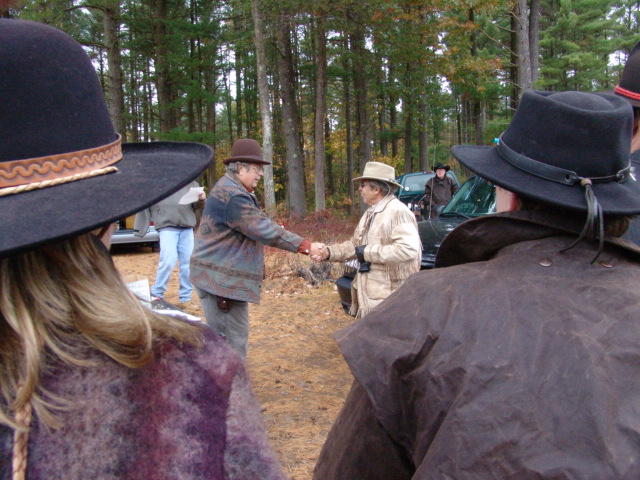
246 150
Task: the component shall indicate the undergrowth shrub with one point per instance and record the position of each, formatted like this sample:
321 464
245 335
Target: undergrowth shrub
326 227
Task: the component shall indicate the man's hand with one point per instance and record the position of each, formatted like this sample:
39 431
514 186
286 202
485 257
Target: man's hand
318 252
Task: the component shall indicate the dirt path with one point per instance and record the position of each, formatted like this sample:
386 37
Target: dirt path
296 370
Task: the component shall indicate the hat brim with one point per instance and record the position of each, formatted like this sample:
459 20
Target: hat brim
615 198
633 102
147 173
248 159
377 179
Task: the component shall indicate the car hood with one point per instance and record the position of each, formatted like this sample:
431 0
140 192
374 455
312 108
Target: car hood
431 234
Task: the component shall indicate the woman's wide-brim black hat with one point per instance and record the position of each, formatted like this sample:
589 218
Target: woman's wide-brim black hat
63 170
558 140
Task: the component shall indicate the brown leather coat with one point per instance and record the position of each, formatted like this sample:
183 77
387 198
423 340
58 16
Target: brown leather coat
516 362
438 191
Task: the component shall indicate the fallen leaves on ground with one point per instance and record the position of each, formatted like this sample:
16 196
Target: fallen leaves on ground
298 374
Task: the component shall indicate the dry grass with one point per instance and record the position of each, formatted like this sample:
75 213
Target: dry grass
297 372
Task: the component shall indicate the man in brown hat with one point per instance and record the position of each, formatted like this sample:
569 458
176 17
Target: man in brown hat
385 243
227 264
438 190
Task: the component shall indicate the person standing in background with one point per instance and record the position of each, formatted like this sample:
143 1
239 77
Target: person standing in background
174 222
438 190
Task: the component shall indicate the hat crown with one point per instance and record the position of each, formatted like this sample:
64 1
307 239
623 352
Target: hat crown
58 145
246 147
51 98
630 78
588 134
379 171
246 150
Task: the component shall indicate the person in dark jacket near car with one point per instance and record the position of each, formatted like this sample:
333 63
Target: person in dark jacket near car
520 358
438 190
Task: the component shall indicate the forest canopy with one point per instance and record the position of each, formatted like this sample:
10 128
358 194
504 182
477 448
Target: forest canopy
328 85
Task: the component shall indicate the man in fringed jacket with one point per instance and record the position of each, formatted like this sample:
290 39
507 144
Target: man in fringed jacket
385 243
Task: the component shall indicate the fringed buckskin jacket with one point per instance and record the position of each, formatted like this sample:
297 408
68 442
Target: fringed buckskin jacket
515 362
390 232
228 256
189 414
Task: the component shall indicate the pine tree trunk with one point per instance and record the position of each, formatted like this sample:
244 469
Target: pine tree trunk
534 39
423 137
265 108
295 159
162 67
408 122
321 106
362 105
114 60
523 52
347 67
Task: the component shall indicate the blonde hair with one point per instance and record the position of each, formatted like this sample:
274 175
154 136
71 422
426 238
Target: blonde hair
65 300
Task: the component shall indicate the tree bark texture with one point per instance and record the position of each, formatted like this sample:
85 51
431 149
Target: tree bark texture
321 107
265 107
163 85
361 93
295 159
114 61
423 137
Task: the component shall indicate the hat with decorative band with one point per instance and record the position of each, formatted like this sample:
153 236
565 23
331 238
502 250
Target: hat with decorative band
559 146
64 170
629 86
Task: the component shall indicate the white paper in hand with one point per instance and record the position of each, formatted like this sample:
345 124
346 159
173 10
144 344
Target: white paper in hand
191 196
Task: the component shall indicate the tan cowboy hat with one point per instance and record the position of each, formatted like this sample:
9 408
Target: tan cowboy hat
379 171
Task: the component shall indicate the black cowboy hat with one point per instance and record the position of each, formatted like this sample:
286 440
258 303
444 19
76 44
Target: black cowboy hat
63 170
246 150
556 141
629 86
440 165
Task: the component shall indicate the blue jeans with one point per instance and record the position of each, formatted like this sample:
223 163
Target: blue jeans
176 244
